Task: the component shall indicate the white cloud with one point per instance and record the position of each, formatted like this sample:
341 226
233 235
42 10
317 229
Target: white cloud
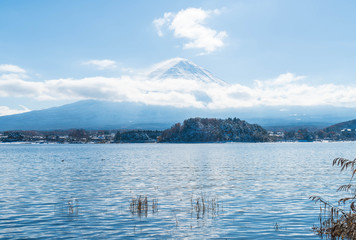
11 68
103 64
282 79
159 23
4 110
285 90
190 24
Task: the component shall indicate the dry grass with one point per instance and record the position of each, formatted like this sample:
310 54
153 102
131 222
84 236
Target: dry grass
205 206
339 221
140 206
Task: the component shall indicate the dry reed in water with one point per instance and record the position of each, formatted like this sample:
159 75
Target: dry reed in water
140 205
203 206
337 221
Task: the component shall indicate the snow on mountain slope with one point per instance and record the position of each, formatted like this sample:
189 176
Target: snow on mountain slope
180 68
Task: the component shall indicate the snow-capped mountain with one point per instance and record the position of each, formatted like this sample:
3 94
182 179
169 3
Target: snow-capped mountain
180 68
133 113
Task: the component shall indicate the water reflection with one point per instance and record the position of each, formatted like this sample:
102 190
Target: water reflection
251 191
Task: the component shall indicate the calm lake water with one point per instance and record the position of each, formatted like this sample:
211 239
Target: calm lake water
251 191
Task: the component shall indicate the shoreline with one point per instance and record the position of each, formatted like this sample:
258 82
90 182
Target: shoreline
113 143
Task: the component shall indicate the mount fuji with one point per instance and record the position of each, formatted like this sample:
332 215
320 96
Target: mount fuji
99 114
181 68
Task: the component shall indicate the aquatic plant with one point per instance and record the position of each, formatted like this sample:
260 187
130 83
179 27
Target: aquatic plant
70 207
276 226
339 221
203 206
140 205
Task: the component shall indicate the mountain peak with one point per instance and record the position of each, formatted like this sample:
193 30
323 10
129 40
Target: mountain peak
181 68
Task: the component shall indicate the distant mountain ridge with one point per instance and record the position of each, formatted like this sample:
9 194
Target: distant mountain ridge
94 114
341 126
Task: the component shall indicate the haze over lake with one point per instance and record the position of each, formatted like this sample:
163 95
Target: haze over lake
85 191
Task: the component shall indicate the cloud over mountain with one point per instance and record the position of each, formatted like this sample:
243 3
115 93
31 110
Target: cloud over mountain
4 110
181 83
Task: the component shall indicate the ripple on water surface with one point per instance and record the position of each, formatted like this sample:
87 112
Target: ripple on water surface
250 191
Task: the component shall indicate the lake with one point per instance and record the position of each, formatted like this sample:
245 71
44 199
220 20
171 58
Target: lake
249 190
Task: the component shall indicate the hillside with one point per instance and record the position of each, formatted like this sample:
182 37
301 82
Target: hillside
341 126
199 130
137 136
93 114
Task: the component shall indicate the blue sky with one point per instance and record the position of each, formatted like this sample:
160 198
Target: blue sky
249 41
